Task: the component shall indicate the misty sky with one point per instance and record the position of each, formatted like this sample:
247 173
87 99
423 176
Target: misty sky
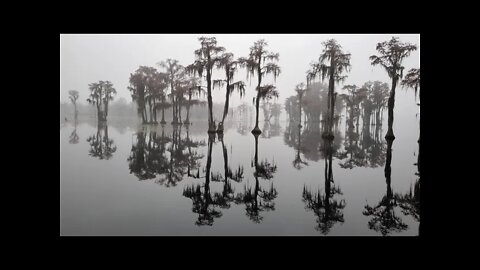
89 58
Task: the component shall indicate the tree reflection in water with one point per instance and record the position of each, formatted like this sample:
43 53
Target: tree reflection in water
258 199
101 146
327 209
383 217
74 138
204 203
165 159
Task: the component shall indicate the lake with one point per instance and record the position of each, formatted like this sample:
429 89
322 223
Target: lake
146 180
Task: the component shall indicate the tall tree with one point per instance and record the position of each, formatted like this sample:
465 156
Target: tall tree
137 89
300 89
100 95
377 96
96 99
193 88
230 67
353 98
173 70
391 55
261 62
73 96
109 93
331 63
206 58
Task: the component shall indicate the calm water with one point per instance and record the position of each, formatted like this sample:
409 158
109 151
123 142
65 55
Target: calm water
146 180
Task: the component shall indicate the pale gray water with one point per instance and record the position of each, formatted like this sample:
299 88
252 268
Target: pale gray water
102 197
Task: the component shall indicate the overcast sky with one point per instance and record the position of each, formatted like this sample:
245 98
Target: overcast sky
89 58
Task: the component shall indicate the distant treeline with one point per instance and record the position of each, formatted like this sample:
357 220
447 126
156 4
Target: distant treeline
124 109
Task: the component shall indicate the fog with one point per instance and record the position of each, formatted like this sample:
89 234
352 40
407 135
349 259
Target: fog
87 58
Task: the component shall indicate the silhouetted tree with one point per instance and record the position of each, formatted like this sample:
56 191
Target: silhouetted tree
259 55
339 62
300 89
229 66
206 58
353 98
391 55
376 100
100 94
174 72
73 96
147 86
193 88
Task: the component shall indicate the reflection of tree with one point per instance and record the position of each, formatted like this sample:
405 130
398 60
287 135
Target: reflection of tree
298 162
193 157
203 203
410 202
74 136
166 159
147 157
327 209
259 199
178 161
100 145
383 215
227 196
271 129
206 204
373 147
310 140
354 155
352 99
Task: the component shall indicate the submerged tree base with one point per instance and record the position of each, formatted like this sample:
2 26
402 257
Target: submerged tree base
256 130
390 135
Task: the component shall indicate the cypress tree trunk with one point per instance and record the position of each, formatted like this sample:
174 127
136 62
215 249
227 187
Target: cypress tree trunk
211 124
391 104
257 130
225 109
